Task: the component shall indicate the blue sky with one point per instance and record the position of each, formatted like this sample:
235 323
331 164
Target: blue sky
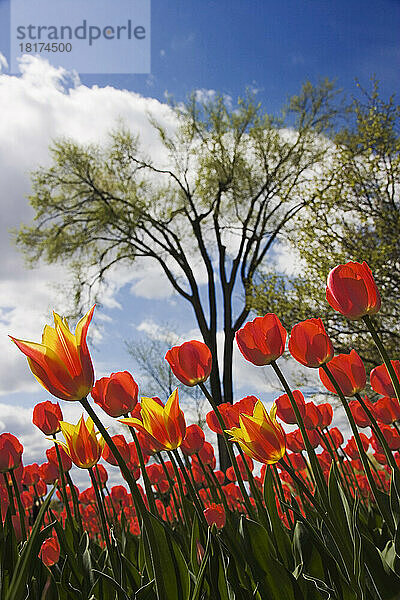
272 47
275 46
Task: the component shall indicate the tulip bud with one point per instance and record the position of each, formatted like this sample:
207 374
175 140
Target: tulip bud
190 363
215 515
284 408
194 440
10 452
262 340
47 416
351 290
50 551
380 379
309 343
117 395
349 372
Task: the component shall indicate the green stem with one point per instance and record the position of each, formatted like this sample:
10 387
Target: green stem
181 493
192 491
63 485
147 484
384 355
280 493
75 502
315 466
360 447
137 498
10 496
103 522
232 458
171 483
21 508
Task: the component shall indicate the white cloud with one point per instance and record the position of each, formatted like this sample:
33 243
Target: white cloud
42 104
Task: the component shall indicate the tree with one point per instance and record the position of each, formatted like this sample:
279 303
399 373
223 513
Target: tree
356 217
233 179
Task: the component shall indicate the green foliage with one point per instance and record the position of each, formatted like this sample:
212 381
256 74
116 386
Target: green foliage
355 215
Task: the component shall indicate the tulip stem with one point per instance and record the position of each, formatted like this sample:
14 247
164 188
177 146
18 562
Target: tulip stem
75 502
384 355
378 433
360 447
21 508
147 484
103 521
10 496
279 493
63 485
181 493
190 487
315 466
169 479
137 498
232 458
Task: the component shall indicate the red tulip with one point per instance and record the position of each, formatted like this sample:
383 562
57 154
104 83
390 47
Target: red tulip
312 418
207 455
262 340
50 551
284 408
117 395
193 441
48 472
332 439
297 462
351 446
309 343
30 475
349 372
10 452
229 415
215 515
295 443
380 380
119 493
123 448
392 437
326 413
47 416
358 412
190 362
65 459
387 410
351 290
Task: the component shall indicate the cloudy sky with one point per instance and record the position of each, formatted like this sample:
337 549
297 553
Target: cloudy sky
270 46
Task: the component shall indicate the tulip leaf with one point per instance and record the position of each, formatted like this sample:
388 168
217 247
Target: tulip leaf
146 592
202 570
275 581
279 533
165 560
28 554
395 496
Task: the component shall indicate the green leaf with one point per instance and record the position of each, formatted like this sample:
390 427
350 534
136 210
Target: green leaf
202 569
279 532
28 554
275 581
165 560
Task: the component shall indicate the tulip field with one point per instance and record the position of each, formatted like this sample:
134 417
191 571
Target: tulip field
299 514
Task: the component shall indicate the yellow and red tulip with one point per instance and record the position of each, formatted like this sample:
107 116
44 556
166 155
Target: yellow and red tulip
164 425
82 444
62 363
260 435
